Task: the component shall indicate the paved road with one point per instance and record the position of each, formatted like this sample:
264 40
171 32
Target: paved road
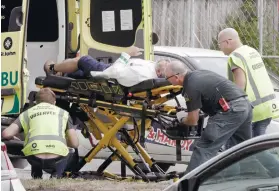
93 165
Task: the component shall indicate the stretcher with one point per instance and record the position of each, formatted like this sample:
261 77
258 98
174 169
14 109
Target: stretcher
140 106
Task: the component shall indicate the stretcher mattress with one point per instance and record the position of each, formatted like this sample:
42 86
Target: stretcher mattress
65 83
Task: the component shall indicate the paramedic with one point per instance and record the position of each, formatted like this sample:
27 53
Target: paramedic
246 68
204 90
137 70
47 130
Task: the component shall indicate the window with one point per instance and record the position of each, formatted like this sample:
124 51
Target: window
106 17
214 64
160 57
7 6
256 170
42 21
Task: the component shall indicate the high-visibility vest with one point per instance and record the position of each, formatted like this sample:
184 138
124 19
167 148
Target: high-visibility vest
44 128
258 84
275 108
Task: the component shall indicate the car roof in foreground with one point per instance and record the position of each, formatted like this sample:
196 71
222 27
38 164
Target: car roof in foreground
189 52
266 137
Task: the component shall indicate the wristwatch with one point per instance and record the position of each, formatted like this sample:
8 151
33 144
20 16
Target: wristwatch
51 68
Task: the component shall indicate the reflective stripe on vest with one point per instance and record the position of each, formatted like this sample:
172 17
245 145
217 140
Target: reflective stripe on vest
45 137
258 100
26 120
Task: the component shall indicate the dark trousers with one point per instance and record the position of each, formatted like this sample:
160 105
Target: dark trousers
86 64
55 166
233 126
259 127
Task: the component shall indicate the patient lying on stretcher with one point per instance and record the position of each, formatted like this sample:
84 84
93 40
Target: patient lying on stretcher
128 72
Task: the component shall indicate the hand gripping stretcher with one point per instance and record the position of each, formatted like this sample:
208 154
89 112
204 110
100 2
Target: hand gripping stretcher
138 106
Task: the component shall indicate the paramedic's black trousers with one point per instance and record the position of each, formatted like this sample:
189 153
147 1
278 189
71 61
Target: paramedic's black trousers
55 166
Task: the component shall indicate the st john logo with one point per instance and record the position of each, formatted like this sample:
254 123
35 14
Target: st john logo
8 43
34 145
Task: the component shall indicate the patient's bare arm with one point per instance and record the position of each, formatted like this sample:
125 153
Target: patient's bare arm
134 51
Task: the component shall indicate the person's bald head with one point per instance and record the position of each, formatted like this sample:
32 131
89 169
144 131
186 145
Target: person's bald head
228 33
175 72
228 40
46 95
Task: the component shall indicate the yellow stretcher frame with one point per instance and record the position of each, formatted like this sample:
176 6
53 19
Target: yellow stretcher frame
118 120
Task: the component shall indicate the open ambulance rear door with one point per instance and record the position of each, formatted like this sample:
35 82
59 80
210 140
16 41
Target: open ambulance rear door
13 64
108 27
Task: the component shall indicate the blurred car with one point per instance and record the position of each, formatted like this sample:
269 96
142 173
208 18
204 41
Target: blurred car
158 145
9 179
252 165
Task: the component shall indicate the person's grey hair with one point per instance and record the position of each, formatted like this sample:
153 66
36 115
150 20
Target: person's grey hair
159 64
178 67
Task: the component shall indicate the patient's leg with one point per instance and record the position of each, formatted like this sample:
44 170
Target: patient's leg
67 66
84 63
88 64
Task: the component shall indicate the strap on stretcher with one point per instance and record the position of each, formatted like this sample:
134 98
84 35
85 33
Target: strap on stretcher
96 84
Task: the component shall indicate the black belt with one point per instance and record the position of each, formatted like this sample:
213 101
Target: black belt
238 99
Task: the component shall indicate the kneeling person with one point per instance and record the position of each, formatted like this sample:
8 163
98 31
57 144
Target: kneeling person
48 130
